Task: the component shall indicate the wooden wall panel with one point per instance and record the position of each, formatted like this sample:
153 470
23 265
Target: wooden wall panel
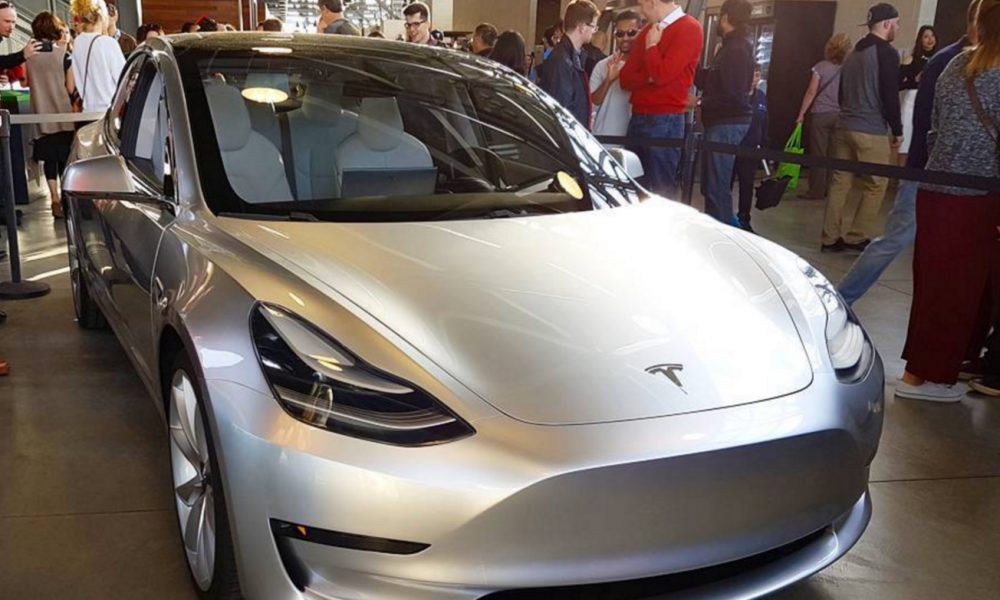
171 14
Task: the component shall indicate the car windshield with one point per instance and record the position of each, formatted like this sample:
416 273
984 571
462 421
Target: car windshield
380 132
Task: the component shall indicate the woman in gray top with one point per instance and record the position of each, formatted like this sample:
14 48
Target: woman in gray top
957 245
823 106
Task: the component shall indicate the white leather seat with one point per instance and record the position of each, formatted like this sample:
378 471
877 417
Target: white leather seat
381 145
317 130
253 164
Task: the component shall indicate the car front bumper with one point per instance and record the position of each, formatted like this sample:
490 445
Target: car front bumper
774 490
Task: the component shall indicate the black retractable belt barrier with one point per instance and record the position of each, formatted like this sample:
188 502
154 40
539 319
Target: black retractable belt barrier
15 289
974 182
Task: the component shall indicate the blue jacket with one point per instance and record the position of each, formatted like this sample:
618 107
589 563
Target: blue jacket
565 80
923 106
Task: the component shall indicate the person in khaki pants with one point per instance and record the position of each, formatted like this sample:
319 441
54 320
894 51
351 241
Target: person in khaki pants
855 231
868 128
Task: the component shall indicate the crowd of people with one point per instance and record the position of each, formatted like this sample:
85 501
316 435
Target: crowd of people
936 107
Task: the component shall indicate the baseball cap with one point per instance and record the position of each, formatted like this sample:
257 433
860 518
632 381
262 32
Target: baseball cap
881 12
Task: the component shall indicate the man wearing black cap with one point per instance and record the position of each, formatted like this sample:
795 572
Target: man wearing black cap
870 125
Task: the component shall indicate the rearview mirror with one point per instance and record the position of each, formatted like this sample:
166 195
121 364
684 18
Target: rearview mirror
629 160
101 177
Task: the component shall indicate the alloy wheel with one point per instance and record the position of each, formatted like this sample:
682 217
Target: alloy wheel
192 478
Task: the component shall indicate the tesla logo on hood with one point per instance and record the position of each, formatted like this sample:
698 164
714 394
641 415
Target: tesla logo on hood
670 372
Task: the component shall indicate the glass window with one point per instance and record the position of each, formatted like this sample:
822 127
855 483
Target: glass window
123 95
375 135
143 131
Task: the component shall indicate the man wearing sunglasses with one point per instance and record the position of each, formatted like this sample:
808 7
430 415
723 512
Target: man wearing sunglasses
564 77
418 24
614 108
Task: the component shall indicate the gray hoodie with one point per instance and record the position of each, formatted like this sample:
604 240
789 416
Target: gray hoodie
869 89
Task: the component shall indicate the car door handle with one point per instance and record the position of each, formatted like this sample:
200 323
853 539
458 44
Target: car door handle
159 298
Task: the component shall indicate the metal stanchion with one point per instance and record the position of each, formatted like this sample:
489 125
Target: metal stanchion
691 157
15 289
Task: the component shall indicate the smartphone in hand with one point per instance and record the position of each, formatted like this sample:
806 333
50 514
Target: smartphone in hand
46 46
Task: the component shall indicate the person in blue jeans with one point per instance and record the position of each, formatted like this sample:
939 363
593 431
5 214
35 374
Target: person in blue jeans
659 73
661 163
901 227
726 107
746 168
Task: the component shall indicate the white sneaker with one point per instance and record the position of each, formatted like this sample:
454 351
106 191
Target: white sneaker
930 391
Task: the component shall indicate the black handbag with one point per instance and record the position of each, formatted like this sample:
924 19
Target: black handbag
770 191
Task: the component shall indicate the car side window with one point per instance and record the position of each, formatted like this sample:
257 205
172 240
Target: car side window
143 135
126 88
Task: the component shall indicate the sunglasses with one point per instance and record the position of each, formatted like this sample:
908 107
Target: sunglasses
630 33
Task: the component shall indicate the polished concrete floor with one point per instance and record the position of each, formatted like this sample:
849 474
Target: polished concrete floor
85 505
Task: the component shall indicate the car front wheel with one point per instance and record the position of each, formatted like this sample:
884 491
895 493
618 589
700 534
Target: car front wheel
88 315
201 508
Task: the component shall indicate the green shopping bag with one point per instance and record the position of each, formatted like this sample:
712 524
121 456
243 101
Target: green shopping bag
793 146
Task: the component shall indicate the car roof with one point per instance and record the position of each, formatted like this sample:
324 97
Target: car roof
236 41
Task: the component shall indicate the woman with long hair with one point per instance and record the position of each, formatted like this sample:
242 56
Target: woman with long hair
49 95
957 253
822 103
97 58
913 65
510 52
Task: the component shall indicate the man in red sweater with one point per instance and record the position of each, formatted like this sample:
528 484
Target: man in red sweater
660 72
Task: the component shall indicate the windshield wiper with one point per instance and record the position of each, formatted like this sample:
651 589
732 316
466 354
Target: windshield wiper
299 217
505 213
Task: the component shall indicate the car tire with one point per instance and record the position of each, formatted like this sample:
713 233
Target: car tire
88 315
202 518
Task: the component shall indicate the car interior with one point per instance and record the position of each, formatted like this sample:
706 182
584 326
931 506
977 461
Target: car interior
293 136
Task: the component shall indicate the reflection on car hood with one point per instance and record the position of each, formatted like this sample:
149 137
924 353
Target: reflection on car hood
564 319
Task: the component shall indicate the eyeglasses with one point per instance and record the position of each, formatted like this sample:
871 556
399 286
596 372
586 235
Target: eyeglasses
413 24
630 33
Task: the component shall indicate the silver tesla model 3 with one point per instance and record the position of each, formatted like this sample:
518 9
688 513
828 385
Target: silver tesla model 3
416 334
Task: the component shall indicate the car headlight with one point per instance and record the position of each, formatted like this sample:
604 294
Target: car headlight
321 383
844 337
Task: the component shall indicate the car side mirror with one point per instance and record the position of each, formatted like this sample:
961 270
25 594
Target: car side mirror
105 177
629 160
100 177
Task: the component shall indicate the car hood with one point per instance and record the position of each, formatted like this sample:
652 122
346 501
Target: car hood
611 315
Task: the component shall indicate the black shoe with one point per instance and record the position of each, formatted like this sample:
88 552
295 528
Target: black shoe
972 369
858 247
745 226
989 386
838 246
